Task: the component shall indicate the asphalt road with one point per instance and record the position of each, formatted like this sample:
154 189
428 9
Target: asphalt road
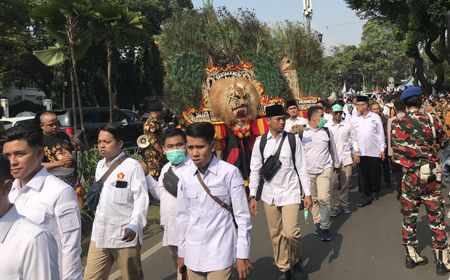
365 245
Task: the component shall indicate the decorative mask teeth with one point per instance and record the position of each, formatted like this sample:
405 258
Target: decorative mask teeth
240 111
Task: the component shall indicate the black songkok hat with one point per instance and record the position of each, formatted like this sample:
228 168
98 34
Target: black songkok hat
290 103
275 110
362 98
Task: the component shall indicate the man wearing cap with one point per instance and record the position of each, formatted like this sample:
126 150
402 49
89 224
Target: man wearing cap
415 141
345 138
294 123
371 143
322 158
281 194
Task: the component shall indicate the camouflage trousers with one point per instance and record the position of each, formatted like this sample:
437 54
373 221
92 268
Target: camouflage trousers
414 193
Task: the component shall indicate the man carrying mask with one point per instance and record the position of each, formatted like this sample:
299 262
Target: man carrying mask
321 154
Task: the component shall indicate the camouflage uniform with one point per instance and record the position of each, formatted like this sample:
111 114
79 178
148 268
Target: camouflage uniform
412 140
152 156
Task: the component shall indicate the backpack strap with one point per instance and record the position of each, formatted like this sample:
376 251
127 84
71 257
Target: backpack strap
292 145
262 145
329 137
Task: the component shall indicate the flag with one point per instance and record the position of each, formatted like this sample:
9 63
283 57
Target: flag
344 88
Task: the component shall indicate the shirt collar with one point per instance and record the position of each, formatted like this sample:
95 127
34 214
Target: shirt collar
212 168
108 165
269 135
35 183
7 221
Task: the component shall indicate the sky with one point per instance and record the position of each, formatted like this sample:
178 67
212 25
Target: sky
338 23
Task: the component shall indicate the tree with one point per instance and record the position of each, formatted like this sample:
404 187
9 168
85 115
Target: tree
117 26
422 29
378 57
67 22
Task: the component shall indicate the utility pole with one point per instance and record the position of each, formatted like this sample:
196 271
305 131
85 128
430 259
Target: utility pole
307 13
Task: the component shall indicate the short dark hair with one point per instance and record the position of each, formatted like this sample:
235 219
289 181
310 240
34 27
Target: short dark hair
115 129
5 169
171 132
415 101
312 110
399 105
202 130
33 137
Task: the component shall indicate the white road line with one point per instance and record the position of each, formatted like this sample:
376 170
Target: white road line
144 256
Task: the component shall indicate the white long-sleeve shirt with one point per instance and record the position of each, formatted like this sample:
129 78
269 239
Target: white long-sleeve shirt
28 252
168 202
52 204
284 187
370 134
208 239
120 207
345 137
320 150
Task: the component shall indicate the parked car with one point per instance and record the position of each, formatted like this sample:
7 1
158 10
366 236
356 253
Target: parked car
26 122
95 118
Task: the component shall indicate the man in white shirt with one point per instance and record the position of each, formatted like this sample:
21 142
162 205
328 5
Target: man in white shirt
345 138
322 158
44 199
28 252
370 135
121 214
324 106
211 236
294 121
282 193
166 189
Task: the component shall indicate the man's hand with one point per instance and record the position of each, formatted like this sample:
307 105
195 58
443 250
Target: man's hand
382 155
145 167
243 267
66 161
307 201
181 266
253 206
128 235
357 159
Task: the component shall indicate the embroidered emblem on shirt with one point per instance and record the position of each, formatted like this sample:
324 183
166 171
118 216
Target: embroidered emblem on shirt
120 176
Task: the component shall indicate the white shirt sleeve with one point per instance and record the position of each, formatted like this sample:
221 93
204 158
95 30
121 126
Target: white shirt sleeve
354 139
138 183
241 215
381 141
69 225
255 167
154 186
333 151
300 164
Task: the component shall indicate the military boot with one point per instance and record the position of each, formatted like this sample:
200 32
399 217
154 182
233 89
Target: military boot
413 258
442 262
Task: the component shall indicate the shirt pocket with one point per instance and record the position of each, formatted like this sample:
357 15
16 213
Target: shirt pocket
192 196
286 160
221 192
120 195
118 225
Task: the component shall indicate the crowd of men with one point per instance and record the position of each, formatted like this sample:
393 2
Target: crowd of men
299 164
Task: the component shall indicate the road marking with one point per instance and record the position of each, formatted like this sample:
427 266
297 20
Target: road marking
144 256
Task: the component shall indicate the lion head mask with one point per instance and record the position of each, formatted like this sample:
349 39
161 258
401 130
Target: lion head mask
234 99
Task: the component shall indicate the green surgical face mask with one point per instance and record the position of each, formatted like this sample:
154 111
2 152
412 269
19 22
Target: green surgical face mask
176 156
322 122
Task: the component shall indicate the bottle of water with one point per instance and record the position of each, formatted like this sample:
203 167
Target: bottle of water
305 215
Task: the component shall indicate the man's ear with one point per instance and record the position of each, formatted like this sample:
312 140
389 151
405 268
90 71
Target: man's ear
121 144
41 153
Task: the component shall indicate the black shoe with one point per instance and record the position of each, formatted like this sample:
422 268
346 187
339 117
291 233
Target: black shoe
286 275
410 263
399 195
364 203
298 272
375 196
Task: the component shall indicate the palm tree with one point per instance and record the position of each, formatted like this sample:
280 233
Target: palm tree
67 22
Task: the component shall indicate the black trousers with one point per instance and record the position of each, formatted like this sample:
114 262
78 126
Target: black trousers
370 176
386 170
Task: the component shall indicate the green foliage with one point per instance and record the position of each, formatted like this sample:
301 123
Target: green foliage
90 160
185 76
379 56
421 26
267 72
